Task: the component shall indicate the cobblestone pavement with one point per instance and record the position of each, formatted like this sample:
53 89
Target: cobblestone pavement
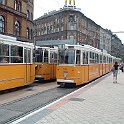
102 103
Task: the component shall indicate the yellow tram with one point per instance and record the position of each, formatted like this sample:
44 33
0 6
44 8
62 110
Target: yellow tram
46 60
16 63
79 64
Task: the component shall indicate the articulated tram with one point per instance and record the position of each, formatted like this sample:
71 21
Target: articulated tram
16 63
46 60
72 65
79 64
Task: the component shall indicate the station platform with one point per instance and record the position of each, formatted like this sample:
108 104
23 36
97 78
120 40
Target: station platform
100 102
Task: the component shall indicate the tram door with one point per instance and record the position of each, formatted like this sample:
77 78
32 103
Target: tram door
27 61
53 61
52 64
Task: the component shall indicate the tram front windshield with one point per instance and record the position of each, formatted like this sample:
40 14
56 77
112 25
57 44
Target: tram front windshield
67 56
41 56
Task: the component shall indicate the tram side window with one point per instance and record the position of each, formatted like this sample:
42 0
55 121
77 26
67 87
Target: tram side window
85 57
61 56
96 58
39 56
70 56
34 55
78 56
67 56
110 60
16 54
46 56
92 57
27 55
104 59
4 53
107 59
100 58
53 57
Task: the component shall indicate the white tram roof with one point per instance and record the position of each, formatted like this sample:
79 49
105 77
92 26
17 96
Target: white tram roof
7 37
47 48
12 41
83 47
91 48
87 48
119 59
39 47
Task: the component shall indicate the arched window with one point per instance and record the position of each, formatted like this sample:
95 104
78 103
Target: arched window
31 16
17 5
28 14
28 33
2 2
2 24
17 28
31 34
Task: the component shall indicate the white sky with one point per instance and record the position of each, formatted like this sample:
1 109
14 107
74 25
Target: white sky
106 13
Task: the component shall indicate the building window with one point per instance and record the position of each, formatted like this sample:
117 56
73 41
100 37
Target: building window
17 5
2 2
31 16
28 14
62 37
28 33
31 34
2 24
17 28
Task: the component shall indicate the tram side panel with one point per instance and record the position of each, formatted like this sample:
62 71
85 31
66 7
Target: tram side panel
14 75
104 69
94 71
86 73
32 72
110 67
11 76
100 69
29 73
81 74
53 71
107 68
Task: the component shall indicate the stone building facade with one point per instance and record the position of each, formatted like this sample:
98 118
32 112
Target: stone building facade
16 19
117 48
67 23
105 40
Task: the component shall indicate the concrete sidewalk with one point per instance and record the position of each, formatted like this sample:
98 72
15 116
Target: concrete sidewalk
101 102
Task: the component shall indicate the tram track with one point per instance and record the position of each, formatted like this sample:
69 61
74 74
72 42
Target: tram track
18 108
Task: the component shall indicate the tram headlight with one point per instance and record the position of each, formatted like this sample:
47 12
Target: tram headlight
65 73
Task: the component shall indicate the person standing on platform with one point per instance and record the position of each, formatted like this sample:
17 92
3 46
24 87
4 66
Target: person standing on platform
122 67
115 72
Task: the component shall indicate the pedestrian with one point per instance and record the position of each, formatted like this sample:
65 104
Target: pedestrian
122 67
115 72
